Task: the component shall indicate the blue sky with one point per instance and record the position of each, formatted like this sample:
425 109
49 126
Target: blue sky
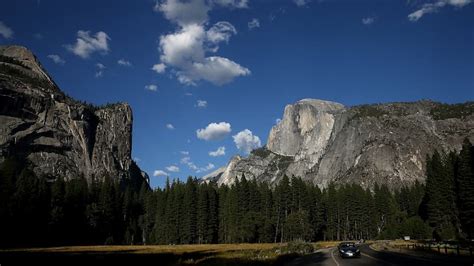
237 63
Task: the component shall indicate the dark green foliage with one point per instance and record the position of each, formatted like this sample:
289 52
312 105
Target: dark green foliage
464 182
58 212
261 152
446 111
369 111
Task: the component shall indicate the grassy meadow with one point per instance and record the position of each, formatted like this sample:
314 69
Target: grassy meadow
211 254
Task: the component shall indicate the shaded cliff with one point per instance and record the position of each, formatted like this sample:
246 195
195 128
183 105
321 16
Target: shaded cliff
325 142
54 134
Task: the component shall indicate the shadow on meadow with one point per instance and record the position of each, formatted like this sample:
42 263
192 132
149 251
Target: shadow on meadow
130 257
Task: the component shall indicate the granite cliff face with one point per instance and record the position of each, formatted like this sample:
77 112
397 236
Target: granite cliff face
54 134
325 142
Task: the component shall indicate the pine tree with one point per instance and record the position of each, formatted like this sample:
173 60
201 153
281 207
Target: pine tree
465 188
189 230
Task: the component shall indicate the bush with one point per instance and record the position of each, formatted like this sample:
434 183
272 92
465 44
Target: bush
446 111
297 247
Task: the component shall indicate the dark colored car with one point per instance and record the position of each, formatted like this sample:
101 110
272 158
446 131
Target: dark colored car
348 250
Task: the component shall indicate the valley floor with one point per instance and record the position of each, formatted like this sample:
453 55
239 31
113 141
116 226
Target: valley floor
219 254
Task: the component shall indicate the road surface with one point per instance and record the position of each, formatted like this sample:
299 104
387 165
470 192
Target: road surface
330 257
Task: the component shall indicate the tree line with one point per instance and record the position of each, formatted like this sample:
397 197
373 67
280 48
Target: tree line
41 211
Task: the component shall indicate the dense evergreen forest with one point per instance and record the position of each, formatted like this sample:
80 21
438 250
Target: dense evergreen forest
40 211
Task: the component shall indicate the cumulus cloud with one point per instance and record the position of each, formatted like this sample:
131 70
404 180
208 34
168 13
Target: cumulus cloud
246 141
159 68
254 23
301 3
185 50
5 31
368 20
57 59
160 173
219 152
214 131
86 44
201 104
169 126
124 62
173 168
151 87
433 7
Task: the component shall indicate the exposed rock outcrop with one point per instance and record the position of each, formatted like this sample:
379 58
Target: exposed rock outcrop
53 133
325 142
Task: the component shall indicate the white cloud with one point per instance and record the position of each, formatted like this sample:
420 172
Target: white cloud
220 32
215 69
159 68
87 44
246 141
184 12
99 73
300 3
5 31
368 20
173 168
185 50
214 131
277 121
254 23
57 59
429 8
201 103
184 152
206 168
160 173
151 87
219 152
187 161
136 159
169 126
124 62
232 3
188 94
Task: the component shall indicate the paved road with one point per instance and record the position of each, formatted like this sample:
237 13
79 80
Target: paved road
330 257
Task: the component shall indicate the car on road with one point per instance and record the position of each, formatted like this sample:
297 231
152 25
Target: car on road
348 250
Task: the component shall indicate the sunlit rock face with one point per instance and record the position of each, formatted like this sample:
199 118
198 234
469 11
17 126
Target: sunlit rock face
53 133
325 142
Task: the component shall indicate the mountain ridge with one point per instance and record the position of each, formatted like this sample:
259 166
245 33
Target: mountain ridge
324 142
55 134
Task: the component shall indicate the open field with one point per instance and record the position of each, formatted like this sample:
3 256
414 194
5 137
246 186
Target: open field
219 254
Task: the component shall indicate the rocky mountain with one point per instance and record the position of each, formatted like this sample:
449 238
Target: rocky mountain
55 134
325 142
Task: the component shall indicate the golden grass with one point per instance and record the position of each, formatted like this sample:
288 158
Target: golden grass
210 254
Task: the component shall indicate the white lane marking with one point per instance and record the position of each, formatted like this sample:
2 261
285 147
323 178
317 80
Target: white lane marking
333 258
